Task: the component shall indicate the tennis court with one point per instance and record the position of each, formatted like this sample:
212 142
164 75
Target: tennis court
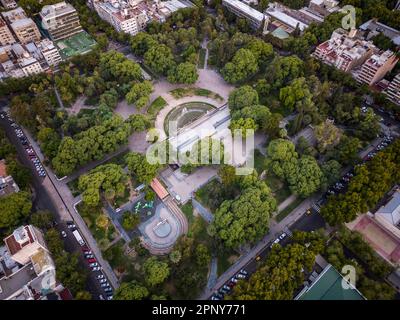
79 43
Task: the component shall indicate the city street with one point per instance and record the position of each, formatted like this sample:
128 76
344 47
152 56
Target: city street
48 198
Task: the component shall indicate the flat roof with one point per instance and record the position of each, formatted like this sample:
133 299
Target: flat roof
281 16
328 286
159 188
16 281
246 9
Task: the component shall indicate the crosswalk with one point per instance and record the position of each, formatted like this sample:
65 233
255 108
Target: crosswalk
316 207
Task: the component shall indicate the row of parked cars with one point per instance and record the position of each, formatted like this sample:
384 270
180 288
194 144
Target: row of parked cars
28 148
95 267
227 288
341 185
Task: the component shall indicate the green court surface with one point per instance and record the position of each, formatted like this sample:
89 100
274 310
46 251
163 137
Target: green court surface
79 43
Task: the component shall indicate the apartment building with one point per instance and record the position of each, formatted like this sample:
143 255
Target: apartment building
27 270
26 30
242 10
8 4
324 7
393 91
344 50
133 16
6 37
123 20
376 67
60 20
49 52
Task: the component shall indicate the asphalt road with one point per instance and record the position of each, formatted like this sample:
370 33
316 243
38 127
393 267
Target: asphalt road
43 201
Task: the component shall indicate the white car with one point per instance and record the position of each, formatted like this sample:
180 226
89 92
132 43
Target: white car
95 269
103 280
63 234
100 276
94 264
282 236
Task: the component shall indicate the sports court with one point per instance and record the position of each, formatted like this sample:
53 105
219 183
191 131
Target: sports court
383 242
79 43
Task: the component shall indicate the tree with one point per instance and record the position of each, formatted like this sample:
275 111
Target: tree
242 66
295 94
284 69
159 58
328 136
42 219
244 219
114 66
307 177
140 94
49 141
83 295
102 221
14 208
185 72
303 147
21 174
243 124
331 173
155 271
175 256
131 291
242 97
203 256
262 51
105 178
141 43
130 220
346 152
140 168
280 276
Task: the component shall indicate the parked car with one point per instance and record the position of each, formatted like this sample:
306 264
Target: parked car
244 272
103 280
101 297
226 287
95 269
240 276
108 289
110 297
105 285
70 226
63 234
92 260
100 276
89 256
282 236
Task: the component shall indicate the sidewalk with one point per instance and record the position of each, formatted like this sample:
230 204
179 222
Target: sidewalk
62 196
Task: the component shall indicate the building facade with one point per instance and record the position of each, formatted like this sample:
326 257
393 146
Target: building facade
60 20
242 10
376 67
393 91
6 37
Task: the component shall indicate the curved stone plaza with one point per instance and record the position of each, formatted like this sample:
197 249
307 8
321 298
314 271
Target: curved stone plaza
161 231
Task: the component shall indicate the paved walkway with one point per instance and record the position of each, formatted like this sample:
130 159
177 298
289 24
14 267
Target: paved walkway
204 212
287 203
213 274
63 198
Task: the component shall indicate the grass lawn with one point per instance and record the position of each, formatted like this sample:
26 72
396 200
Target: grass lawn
156 106
224 261
187 209
259 160
282 215
206 196
73 187
202 57
192 91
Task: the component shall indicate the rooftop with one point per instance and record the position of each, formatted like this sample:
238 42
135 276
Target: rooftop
328 286
246 9
20 238
391 210
10 285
